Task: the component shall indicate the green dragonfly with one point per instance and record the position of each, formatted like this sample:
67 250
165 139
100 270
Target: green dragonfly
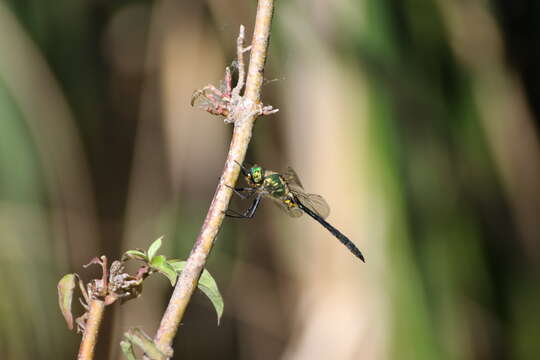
286 190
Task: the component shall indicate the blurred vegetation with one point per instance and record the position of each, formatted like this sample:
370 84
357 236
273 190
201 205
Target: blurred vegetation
417 121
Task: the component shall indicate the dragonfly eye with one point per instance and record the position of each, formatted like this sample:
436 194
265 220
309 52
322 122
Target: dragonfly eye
256 174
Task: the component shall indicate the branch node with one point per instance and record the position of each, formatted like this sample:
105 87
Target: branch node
228 101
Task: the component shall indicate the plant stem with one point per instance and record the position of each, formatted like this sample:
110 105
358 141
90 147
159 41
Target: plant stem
245 117
89 340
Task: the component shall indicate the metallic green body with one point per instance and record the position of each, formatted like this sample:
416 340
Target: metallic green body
288 193
275 185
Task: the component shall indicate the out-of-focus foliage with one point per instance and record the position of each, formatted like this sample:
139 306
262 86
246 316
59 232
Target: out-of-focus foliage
417 120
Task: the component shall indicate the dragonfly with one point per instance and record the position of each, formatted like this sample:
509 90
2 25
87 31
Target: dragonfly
286 190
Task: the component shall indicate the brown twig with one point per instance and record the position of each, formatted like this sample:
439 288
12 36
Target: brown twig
245 112
89 340
115 284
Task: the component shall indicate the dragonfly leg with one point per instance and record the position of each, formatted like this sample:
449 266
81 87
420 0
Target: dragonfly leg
242 168
240 191
248 214
234 214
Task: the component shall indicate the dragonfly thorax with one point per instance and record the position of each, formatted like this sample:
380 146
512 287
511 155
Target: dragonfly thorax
275 185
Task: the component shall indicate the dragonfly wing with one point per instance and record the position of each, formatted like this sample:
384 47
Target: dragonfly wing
292 212
292 178
315 203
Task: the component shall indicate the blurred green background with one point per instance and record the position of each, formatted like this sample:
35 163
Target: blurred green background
417 120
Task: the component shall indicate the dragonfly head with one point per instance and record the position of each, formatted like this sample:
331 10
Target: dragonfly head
255 174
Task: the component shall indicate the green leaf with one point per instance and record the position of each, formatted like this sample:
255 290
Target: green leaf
160 264
127 349
152 250
206 284
139 338
209 287
66 287
178 265
157 261
136 254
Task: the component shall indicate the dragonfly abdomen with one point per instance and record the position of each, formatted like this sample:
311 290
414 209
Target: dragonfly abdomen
342 238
